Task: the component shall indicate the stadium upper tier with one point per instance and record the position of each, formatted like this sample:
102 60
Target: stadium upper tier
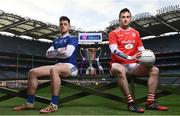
166 20
24 26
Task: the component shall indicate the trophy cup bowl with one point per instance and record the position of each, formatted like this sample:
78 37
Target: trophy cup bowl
91 55
88 56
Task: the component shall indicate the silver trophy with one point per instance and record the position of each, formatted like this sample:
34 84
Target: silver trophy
90 55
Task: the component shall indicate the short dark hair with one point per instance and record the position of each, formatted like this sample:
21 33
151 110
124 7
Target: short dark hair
64 18
123 11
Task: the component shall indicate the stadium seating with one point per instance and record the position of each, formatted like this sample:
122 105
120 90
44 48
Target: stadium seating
22 46
30 53
163 44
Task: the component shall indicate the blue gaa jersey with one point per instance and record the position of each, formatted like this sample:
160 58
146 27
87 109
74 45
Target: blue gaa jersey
61 42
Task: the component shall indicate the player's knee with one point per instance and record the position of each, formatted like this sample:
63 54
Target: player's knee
54 70
31 73
118 72
155 71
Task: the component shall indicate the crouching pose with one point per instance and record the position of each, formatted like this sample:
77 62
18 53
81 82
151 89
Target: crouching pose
64 48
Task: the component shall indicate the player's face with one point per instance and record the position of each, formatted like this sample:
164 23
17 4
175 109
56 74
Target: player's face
64 27
125 19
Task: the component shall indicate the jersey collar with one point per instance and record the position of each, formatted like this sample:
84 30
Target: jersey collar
65 35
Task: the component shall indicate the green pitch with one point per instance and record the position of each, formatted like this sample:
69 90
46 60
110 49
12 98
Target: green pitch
92 105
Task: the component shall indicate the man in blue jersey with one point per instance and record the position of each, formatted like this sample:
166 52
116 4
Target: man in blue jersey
64 48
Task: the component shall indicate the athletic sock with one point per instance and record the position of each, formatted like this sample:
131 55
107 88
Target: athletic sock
129 98
30 99
150 98
54 100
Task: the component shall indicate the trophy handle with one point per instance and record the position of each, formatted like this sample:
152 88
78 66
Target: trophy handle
100 51
100 68
82 49
83 61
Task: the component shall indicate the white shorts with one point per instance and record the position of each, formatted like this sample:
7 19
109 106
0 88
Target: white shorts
74 69
128 67
131 66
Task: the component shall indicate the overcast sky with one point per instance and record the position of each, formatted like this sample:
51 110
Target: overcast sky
87 15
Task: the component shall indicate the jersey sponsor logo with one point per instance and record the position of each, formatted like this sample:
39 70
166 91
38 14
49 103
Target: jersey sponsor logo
128 46
120 35
128 41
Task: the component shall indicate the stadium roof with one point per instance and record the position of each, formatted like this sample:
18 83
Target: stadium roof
28 27
166 20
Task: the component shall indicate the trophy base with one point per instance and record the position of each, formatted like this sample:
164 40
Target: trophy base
91 71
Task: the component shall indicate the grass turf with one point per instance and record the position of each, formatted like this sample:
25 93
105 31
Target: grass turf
92 105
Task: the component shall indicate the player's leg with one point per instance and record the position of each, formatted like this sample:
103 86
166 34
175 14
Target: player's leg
153 73
58 71
33 76
119 71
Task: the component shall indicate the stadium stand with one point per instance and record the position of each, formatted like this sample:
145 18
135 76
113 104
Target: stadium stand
22 46
163 44
30 53
26 49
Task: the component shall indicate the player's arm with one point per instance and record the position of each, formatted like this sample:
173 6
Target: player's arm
51 52
114 49
65 52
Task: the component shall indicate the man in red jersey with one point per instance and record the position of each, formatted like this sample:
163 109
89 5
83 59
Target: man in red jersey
126 47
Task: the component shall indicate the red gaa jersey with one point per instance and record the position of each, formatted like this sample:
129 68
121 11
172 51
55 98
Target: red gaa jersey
128 41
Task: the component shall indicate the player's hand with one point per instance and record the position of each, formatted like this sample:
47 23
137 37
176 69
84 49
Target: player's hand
51 51
61 50
51 54
136 56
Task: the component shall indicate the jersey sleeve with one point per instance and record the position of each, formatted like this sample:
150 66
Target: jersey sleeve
73 41
112 38
140 44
